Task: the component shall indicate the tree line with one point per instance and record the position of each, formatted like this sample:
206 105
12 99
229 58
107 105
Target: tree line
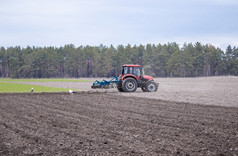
167 60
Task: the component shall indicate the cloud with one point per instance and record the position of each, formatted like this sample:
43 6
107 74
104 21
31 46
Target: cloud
225 2
58 22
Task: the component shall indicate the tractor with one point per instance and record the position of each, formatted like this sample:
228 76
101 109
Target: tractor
131 78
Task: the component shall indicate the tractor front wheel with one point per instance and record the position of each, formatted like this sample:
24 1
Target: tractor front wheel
129 85
151 86
144 89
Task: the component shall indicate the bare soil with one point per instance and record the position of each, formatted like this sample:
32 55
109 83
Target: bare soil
95 123
219 91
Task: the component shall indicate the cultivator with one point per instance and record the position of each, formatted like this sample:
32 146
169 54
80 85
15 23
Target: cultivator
106 84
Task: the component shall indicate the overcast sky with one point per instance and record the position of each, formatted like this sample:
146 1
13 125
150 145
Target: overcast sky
94 22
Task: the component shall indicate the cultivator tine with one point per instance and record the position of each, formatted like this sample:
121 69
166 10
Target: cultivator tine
95 86
108 86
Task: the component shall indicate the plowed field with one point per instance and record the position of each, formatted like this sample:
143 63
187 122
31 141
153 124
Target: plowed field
110 124
218 91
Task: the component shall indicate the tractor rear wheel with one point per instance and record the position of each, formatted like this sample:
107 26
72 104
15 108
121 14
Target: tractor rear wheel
151 86
129 85
119 87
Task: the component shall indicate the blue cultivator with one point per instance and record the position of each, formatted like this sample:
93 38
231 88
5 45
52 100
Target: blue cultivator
105 84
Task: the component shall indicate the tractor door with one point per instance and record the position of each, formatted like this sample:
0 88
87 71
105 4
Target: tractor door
137 73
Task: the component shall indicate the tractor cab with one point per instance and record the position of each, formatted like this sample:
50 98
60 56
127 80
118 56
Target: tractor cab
136 71
132 70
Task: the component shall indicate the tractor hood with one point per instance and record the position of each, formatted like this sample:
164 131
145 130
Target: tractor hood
148 77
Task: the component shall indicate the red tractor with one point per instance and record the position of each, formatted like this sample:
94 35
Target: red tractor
132 76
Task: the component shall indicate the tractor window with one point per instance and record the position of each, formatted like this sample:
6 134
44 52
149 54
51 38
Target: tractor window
125 70
131 70
136 71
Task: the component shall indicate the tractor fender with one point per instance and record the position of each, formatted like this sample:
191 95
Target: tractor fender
151 81
129 75
146 81
148 77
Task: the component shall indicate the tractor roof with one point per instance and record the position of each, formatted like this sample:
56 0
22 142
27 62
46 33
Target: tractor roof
131 65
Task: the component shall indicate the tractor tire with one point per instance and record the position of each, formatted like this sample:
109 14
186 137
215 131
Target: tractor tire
144 89
119 87
151 86
129 85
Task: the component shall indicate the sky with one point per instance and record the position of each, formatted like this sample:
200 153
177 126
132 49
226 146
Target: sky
118 22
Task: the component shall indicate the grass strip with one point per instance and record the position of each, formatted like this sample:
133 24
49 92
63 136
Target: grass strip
44 80
6 87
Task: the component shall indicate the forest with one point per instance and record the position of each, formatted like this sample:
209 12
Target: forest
161 60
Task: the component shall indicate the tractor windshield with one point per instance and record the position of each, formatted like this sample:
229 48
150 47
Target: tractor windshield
136 71
125 70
